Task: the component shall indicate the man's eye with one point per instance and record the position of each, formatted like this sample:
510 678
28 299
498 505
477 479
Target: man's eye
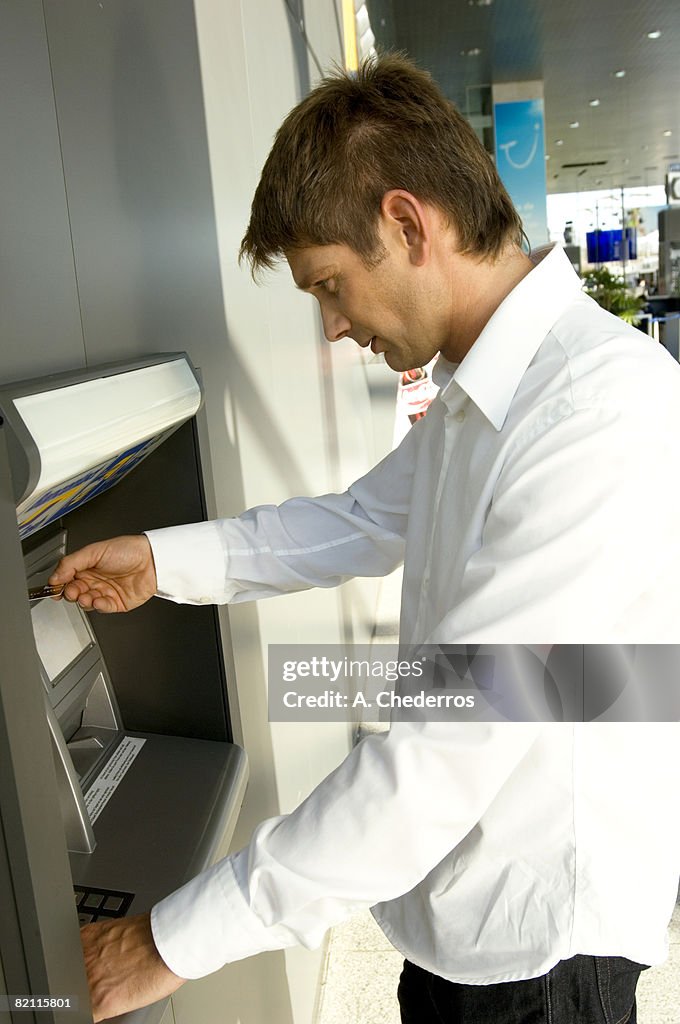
331 286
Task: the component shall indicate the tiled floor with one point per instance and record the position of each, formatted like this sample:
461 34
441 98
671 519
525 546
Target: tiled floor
362 967
659 988
361 975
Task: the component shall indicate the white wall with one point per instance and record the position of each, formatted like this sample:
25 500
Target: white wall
255 67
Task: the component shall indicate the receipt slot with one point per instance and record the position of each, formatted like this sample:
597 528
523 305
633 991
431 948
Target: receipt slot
148 780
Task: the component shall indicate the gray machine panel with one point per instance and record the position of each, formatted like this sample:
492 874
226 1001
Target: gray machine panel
172 809
39 945
138 820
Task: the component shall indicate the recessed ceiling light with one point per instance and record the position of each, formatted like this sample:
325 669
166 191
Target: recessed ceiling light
559 142
654 35
574 124
593 103
667 132
621 73
473 52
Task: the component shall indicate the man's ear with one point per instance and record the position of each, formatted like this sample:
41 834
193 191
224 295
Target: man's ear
408 223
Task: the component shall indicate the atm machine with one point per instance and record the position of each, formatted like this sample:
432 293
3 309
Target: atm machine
134 708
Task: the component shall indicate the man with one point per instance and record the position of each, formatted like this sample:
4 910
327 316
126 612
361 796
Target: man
527 871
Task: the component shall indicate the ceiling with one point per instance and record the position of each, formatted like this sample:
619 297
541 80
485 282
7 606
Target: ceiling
574 47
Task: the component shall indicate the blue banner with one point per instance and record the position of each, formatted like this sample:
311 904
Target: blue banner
520 158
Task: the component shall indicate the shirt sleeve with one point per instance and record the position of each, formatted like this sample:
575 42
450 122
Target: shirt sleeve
418 789
303 543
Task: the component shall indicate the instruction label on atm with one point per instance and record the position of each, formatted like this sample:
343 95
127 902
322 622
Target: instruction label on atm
109 779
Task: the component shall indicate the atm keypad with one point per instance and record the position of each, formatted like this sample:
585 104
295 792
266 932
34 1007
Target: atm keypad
99 904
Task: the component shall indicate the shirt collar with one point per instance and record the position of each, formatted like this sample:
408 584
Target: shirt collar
492 370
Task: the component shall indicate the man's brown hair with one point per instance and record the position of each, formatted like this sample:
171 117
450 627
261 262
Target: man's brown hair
355 137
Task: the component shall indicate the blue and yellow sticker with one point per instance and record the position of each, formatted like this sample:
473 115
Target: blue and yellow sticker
57 501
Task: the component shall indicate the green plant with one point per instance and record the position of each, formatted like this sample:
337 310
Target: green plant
609 291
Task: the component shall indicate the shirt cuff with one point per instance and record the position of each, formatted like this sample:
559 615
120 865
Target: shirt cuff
191 564
208 922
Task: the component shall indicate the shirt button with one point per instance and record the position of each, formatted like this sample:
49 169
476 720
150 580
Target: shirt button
460 415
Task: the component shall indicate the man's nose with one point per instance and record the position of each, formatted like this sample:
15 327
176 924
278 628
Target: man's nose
335 324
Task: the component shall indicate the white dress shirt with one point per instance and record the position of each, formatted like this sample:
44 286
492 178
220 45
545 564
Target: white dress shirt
537 502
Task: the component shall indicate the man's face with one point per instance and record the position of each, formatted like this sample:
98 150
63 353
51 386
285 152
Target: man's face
384 308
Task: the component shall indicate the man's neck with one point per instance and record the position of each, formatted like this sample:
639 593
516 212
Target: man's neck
477 290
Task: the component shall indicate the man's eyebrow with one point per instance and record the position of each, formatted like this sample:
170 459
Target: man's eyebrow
316 278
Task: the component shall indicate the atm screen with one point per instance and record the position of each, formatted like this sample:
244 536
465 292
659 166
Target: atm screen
61 634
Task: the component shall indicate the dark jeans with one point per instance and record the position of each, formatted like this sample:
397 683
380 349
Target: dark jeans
583 990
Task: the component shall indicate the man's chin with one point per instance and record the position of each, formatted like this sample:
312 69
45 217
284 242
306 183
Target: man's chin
398 362
394 360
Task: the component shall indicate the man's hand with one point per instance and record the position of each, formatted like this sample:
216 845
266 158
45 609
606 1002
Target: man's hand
124 968
110 576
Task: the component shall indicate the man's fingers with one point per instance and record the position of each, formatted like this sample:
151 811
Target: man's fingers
81 592
79 561
95 595
104 604
75 589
